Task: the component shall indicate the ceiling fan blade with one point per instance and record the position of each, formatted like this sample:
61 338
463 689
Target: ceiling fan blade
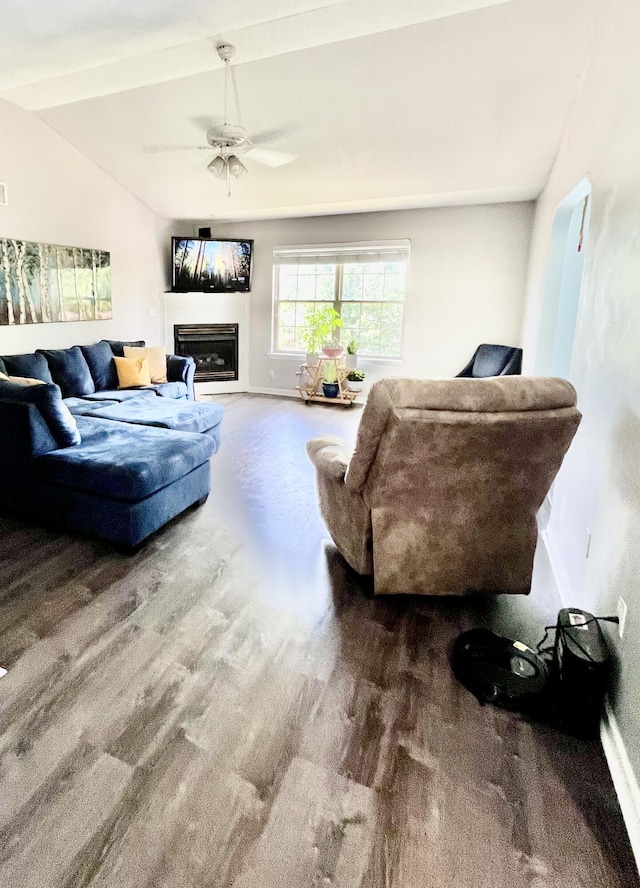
269 157
161 149
264 137
206 123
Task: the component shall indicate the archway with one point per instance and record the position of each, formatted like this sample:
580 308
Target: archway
563 283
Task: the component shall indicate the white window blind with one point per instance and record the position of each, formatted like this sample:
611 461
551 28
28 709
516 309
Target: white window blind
335 254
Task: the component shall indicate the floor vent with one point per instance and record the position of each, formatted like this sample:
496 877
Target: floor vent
4 198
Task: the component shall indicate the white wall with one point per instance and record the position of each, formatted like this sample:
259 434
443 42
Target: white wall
58 196
599 485
466 281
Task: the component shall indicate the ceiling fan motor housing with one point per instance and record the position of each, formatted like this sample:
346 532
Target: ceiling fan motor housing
227 136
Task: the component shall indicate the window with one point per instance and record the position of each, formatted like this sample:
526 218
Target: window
364 283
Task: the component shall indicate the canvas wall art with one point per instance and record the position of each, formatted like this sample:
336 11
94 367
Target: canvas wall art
47 283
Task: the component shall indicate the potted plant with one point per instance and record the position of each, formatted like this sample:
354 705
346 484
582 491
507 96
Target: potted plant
352 354
320 323
355 378
330 387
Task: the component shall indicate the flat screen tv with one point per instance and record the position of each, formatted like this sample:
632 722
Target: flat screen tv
211 265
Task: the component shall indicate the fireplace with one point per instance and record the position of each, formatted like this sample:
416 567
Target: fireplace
214 347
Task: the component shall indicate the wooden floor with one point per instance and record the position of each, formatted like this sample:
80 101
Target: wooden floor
229 708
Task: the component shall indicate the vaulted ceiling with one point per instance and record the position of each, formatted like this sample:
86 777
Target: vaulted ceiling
386 104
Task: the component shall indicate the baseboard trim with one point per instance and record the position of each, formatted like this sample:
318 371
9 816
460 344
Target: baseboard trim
278 393
559 573
624 779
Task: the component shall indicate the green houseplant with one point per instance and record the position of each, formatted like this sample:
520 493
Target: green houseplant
352 354
355 378
320 323
330 387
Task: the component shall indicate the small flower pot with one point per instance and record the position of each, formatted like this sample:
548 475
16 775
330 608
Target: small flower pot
352 362
312 359
330 389
332 352
355 386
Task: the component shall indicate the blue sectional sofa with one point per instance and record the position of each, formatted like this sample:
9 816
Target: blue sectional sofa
82 454
89 371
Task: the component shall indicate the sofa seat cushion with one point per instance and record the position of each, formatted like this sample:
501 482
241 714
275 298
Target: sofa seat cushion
85 407
122 463
175 390
121 394
70 371
33 365
99 357
181 416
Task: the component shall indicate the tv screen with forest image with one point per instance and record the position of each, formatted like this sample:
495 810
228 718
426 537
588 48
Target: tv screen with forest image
209 265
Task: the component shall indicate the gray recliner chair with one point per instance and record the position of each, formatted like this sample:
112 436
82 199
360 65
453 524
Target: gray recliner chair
441 492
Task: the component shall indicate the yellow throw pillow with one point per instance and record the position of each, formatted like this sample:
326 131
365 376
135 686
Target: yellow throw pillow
22 380
157 360
132 372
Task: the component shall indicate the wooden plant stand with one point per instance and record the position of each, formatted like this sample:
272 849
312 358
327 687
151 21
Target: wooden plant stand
311 380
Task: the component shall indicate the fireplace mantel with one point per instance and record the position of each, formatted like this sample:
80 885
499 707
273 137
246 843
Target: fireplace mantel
211 308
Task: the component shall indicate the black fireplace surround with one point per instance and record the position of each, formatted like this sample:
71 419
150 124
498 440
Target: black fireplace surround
214 348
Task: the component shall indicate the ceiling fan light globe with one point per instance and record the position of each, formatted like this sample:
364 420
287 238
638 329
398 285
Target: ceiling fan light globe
236 167
217 166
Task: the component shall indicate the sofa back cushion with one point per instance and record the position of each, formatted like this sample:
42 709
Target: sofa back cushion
99 357
117 345
33 365
3 369
70 371
48 399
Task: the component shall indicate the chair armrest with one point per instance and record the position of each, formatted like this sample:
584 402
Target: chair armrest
180 369
330 456
514 365
467 372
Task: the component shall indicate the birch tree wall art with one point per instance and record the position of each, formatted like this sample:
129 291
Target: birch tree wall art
46 283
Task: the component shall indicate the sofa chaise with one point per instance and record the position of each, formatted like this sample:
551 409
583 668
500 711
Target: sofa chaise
114 463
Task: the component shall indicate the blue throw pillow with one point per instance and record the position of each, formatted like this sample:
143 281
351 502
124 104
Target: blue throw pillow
99 357
117 345
33 366
48 399
70 371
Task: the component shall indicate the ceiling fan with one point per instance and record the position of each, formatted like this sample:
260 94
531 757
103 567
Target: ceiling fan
231 140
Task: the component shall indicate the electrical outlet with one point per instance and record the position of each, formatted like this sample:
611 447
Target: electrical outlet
153 312
621 611
272 374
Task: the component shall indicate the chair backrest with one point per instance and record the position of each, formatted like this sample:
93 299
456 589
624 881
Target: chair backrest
494 360
454 472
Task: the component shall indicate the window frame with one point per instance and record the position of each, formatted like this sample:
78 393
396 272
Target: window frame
338 255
